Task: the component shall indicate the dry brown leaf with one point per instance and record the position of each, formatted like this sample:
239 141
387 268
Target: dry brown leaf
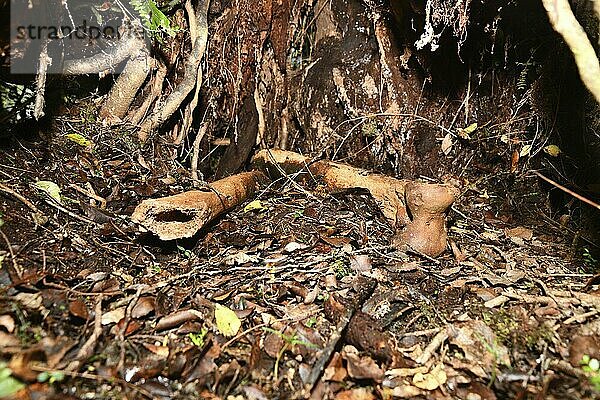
355 394
143 307
335 371
480 346
447 144
240 258
514 162
78 309
485 294
476 390
273 344
431 380
361 367
581 346
254 393
458 253
405 391
7 322
298 312
21 364
8 340
161 351
114 316
33 301
404 372
361 263
336 241
519 232
292 247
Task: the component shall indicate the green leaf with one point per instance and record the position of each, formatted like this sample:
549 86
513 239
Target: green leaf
152 17
525 150
8 385
465 133
198 338
57 376
43 376
255 205
227 322
80 140
552 150
51 188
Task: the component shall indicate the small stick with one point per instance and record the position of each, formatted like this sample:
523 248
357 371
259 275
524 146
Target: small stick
572 193
90 194
196 152
18 270
51 202
99 378
20 197
87 350
44 62
363 293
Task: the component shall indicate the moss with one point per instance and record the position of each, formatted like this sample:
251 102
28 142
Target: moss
514 329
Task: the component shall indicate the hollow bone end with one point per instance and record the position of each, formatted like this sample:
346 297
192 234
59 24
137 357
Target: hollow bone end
427 204
168 222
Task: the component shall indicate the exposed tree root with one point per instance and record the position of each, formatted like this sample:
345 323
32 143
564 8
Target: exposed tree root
107 60
40 82
190 79
125 88
189 111
183 215
138 114
416 210
387 190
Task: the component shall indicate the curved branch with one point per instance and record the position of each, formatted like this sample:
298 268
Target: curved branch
564 22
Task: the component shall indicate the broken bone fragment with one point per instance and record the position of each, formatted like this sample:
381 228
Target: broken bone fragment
388 191
416 210
184 214
427 204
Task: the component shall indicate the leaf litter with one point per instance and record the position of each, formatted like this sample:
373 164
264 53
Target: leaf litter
294 294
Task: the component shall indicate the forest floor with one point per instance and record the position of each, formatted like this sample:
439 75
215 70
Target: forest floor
91 308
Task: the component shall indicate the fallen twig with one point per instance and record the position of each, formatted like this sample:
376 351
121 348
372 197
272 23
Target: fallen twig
21 198
87 350
569 191
40 82
13 257
363 293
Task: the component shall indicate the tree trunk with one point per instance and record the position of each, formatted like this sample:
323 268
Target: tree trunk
339 79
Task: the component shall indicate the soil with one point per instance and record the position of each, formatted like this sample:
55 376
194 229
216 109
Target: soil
92 308
300 292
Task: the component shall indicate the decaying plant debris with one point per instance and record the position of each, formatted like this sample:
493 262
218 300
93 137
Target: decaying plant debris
304 285
415 210
322 306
